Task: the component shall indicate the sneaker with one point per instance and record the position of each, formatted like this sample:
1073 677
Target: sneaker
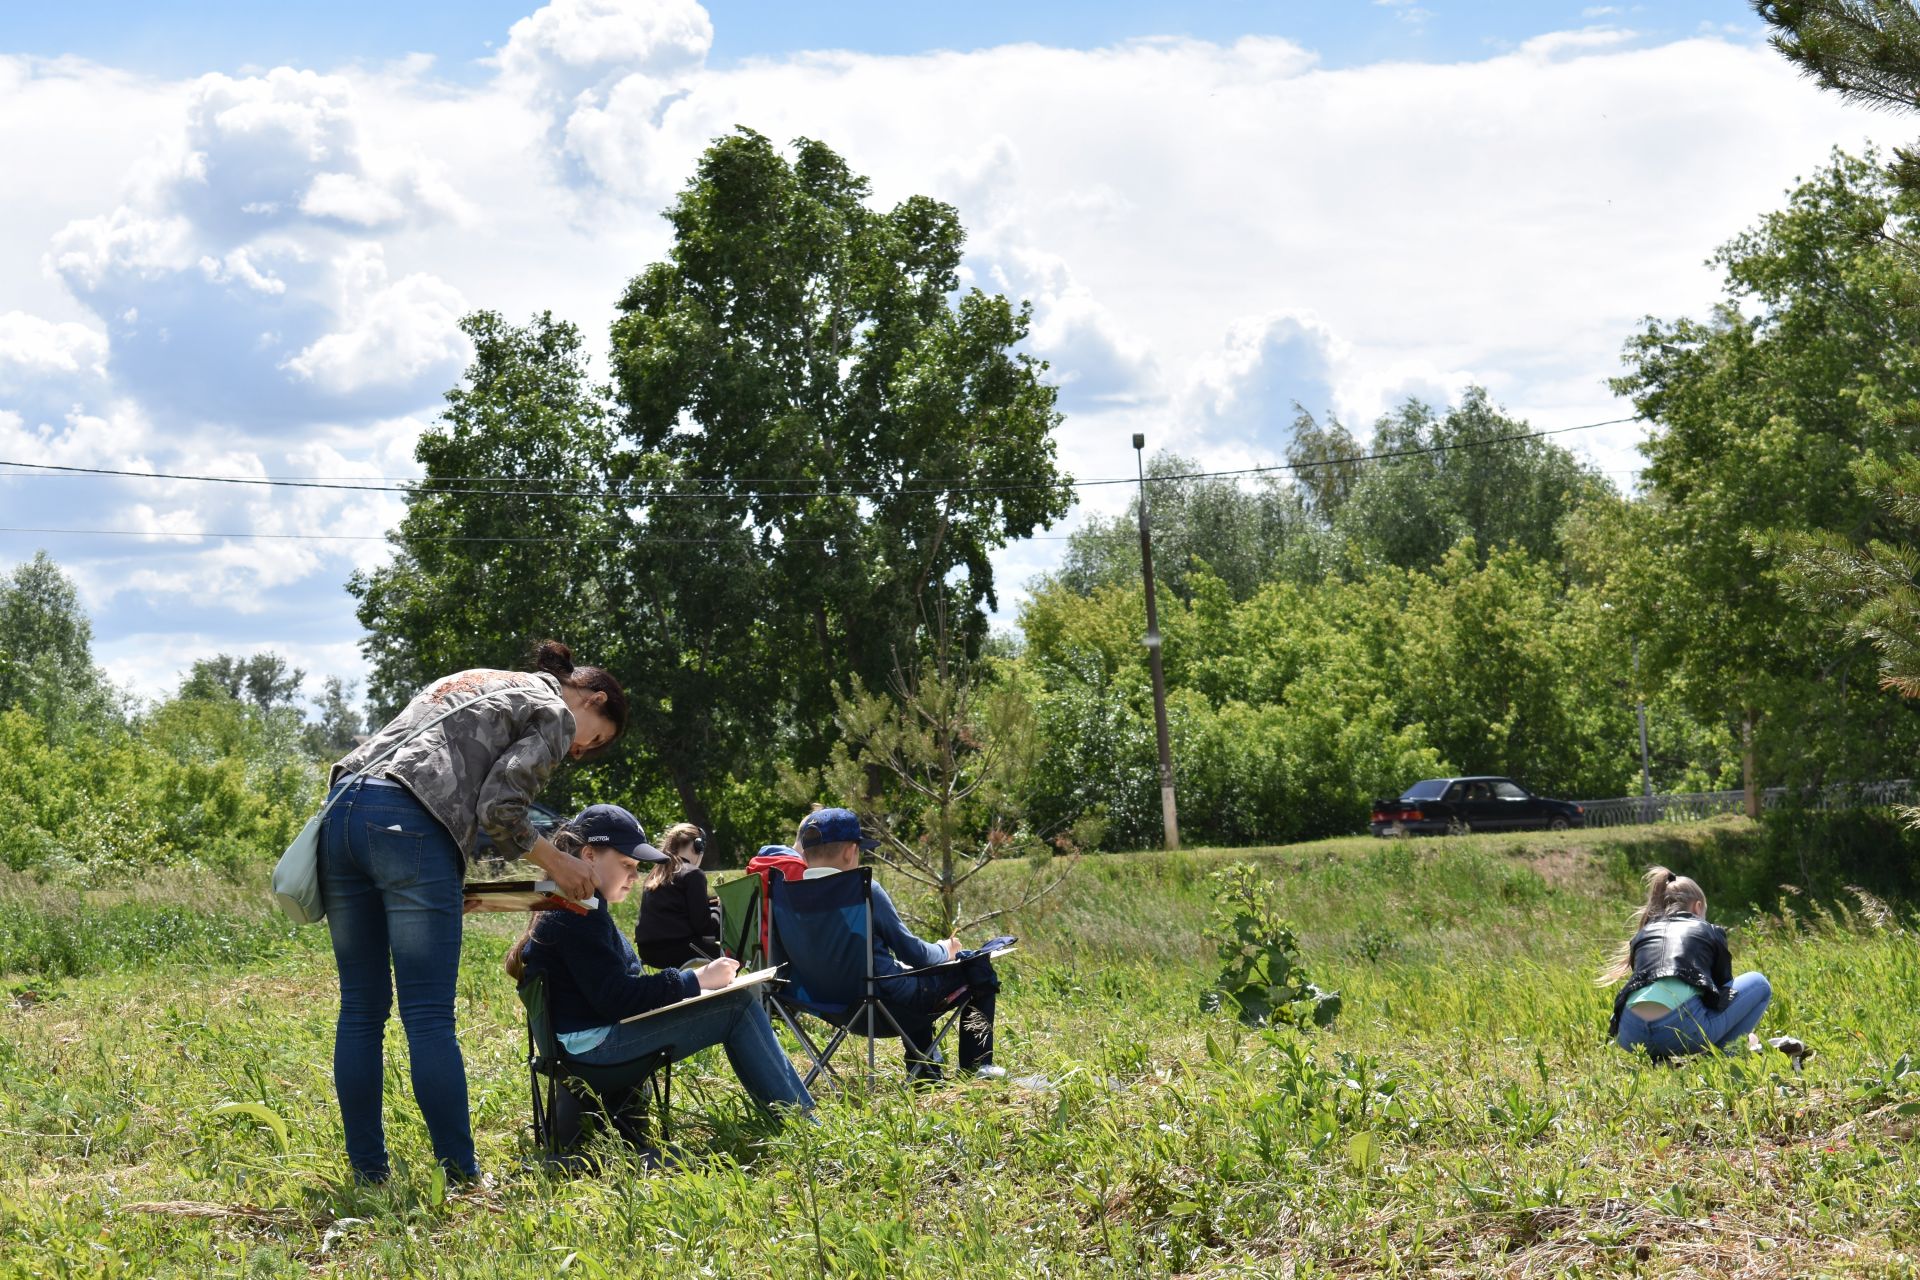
987 1071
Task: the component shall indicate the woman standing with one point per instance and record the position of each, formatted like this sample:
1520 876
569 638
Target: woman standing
393 852
679 922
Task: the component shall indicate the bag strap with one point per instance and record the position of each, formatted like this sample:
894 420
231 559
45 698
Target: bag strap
394 750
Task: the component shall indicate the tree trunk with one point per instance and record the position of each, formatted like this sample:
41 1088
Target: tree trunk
1748 718
824 638
694 810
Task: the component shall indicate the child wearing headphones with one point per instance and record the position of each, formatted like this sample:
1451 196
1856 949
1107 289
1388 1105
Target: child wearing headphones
679 920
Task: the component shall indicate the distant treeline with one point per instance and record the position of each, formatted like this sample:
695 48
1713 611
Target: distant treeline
813 440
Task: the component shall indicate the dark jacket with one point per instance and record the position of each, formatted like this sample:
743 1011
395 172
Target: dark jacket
481 765
593 976
1678 945
677 923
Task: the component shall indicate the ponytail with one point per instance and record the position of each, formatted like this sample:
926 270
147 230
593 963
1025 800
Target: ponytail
556 659
1666 893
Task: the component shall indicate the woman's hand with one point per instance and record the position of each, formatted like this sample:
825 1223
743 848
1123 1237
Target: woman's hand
715 974
569 874
953 948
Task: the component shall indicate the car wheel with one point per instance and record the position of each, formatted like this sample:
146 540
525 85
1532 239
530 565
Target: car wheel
1458 828
1558 824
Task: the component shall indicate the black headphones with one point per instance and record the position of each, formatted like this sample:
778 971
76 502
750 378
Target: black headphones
700 844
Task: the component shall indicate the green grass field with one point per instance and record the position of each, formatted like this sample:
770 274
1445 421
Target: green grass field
167 1106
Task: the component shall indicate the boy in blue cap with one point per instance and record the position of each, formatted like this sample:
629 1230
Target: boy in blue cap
831 841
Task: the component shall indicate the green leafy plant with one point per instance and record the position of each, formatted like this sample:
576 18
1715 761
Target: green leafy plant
1260 972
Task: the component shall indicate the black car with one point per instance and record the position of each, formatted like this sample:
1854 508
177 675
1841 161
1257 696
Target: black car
1438 806
544 820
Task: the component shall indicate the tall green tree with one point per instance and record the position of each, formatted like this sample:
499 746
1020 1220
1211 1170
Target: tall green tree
1326 461
812 434
498 549
46 652
1762 412
266 680
1864 50
1471 472
505 540
813 379
339 723
1242 534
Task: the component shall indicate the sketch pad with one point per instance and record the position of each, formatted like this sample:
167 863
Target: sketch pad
522 895
739 983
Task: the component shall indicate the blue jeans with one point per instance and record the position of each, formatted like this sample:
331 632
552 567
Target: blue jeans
737 1021
391 877
1694 1028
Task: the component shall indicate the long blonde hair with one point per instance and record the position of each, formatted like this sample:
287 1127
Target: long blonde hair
678 843
1666 893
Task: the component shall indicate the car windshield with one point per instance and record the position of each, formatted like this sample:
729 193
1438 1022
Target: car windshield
1431 789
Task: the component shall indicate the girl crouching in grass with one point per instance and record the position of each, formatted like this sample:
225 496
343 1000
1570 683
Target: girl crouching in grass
1680 995
594 978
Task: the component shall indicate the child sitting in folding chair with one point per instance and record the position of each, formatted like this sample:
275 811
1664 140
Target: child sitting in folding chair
594 977
679 919
831 842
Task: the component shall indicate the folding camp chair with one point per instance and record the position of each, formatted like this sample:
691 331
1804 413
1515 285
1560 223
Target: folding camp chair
823 935
573 1090
740 919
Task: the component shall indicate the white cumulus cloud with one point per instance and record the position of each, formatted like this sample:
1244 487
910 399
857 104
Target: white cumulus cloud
32 346
393 330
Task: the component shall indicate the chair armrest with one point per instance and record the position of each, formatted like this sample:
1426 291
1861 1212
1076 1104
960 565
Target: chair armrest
925 968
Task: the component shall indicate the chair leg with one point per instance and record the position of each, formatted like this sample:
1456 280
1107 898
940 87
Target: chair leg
806 1041
663 1093
912 1048
952 1020
550 1142
826 1054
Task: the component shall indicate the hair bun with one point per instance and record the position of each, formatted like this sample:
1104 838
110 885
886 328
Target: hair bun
553 657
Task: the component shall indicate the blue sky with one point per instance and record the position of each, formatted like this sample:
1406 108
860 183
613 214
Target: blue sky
252 230
232 35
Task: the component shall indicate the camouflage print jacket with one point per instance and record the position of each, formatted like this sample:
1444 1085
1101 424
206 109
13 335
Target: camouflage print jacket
481 765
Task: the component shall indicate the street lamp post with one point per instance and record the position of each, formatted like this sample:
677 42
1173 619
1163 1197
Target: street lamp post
1169 818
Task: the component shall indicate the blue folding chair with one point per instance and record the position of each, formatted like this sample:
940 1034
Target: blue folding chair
823 936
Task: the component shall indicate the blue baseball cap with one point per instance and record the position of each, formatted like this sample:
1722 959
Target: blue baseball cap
833 826
614 827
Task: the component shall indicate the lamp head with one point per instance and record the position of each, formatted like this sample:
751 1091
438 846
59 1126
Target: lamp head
1139 440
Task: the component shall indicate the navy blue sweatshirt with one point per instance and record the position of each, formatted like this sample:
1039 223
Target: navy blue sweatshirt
593 976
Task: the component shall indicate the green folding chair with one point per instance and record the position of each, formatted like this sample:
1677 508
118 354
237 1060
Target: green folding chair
565 1092
740 912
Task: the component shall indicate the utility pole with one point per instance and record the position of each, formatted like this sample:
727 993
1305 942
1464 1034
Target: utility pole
1169 819
1640 710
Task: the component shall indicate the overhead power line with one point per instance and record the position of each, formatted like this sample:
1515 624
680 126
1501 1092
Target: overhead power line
569 539
51 470
706 489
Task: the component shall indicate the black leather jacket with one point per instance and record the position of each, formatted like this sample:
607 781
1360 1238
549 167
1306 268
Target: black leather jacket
1679 945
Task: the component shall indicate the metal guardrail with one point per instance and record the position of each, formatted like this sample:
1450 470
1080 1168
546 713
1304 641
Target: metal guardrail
1622 811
